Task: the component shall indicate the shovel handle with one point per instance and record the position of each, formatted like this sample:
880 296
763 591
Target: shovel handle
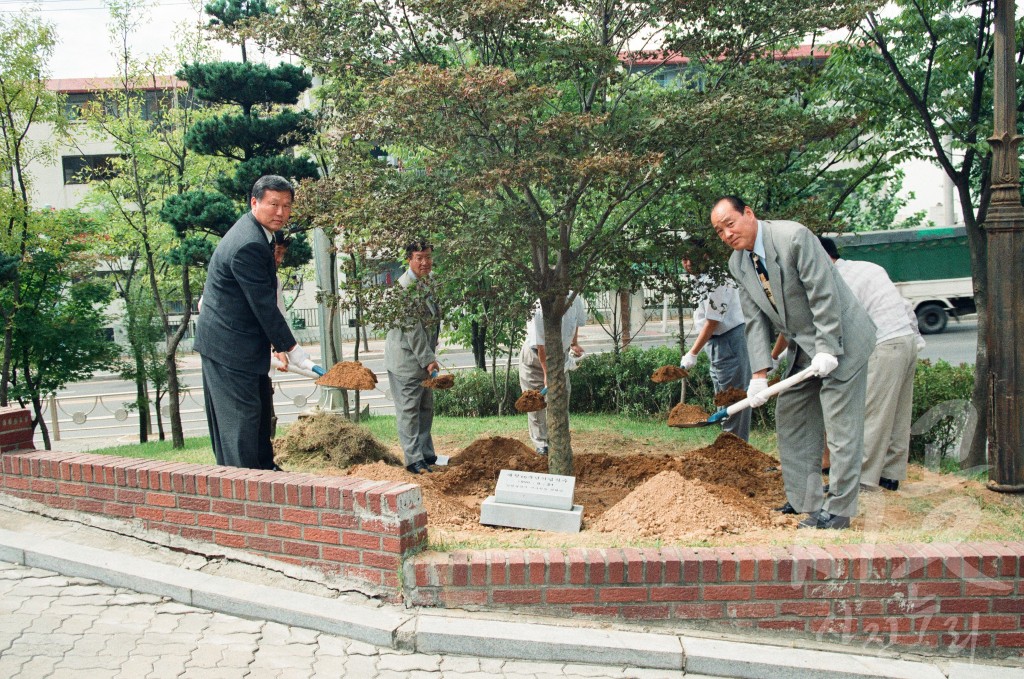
772 390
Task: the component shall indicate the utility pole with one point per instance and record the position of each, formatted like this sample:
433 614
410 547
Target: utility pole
1004 227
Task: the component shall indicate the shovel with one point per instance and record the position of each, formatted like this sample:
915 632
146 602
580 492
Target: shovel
313 372
723 413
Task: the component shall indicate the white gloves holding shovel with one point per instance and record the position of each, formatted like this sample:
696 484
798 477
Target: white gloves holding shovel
822 364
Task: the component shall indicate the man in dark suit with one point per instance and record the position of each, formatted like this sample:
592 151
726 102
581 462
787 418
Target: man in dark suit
238 323
788 282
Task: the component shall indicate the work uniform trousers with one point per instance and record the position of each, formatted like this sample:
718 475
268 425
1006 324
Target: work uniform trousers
531 376
414 415
888 410
730 367
803 415
239 407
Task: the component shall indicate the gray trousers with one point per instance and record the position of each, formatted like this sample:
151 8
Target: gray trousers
888 410
730 367
239 406
531 376
414 415
803 414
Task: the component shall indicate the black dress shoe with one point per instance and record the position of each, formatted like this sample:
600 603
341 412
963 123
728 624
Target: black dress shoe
420 467
786 509
823 520
889 484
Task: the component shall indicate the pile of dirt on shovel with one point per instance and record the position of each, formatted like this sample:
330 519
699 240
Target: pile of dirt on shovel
684 413
329 440
439 382
349 375
729 396
668 373
530 401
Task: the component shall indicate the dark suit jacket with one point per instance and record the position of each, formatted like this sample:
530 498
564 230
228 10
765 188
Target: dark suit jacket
816 309
239 320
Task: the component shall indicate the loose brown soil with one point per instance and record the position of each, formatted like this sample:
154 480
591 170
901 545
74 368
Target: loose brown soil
721 494
684 413
349 375
668 373
530 402
439 382
724 399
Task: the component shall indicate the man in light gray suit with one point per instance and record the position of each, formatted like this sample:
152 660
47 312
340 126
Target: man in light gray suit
409 358
238 322
788 282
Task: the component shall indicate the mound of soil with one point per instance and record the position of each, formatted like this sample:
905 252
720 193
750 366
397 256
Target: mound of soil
439 382
530 402
671 507
668 373
331 440
349 375
724 399
684 413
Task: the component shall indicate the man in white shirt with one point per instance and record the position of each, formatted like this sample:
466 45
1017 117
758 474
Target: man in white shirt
890 389
718 320
533 371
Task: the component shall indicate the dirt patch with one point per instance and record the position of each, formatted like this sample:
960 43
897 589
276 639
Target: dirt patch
724 399
684 413
668 373
439 382
349 375
328 440
530 402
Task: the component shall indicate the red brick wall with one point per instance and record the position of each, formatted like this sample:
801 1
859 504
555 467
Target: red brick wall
957 598
349 526
15 429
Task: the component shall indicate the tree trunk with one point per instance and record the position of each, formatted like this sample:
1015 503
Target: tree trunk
557 398
624 314
171 361
479 341
141 395
978 245
37 406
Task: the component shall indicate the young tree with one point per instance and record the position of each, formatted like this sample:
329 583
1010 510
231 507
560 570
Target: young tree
26 44
928 68
530 145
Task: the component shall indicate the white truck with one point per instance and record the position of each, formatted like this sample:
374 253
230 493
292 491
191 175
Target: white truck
931 267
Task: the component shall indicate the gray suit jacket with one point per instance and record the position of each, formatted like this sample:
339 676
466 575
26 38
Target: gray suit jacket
409 348
240 320
816 309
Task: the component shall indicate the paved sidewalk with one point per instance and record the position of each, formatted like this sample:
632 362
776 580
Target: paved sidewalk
84 596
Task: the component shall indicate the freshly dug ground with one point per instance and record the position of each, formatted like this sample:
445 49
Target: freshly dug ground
722 494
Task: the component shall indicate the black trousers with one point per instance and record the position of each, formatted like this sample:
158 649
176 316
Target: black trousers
239 407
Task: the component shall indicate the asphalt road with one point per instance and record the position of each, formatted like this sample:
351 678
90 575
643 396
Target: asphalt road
94 414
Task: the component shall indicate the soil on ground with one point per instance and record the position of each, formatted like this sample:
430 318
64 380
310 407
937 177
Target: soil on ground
439 382
684 413
721 494
668 373
349 375
530 401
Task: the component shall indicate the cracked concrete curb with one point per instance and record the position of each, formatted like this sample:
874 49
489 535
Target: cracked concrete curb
436 632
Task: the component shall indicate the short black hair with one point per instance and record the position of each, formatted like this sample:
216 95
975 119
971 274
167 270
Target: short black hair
272 182
417 246
830 246
737 203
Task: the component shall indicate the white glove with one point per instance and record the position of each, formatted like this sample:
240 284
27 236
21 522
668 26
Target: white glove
299 358
754 389
919 343
688 361
824 363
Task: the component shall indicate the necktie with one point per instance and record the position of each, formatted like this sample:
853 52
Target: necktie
762 274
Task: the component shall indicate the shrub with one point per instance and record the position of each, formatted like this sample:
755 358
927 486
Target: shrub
942 412
473 394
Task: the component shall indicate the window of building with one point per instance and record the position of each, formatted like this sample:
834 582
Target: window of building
82 169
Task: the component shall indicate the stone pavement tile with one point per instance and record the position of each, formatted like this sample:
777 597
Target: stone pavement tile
420 674
360 666
10 665
330 645
458 663
264 673
969 670
54 645
206 655
135 667
659 674
38 668
215 673
532 667
409 662
47 623
363 648
470 675
167 668
276 633
603 671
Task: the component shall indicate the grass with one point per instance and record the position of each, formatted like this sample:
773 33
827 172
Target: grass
458 432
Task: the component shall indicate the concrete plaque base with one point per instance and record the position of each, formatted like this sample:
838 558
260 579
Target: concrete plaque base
494 513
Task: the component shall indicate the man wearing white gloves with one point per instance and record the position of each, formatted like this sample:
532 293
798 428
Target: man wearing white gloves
787 282
890 389
718 321
238 325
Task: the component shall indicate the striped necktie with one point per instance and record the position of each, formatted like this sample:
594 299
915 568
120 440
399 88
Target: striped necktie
762 274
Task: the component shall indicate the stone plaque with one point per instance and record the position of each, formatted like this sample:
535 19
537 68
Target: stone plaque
550 491
494 513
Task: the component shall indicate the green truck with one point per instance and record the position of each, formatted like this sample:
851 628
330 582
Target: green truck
931 267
